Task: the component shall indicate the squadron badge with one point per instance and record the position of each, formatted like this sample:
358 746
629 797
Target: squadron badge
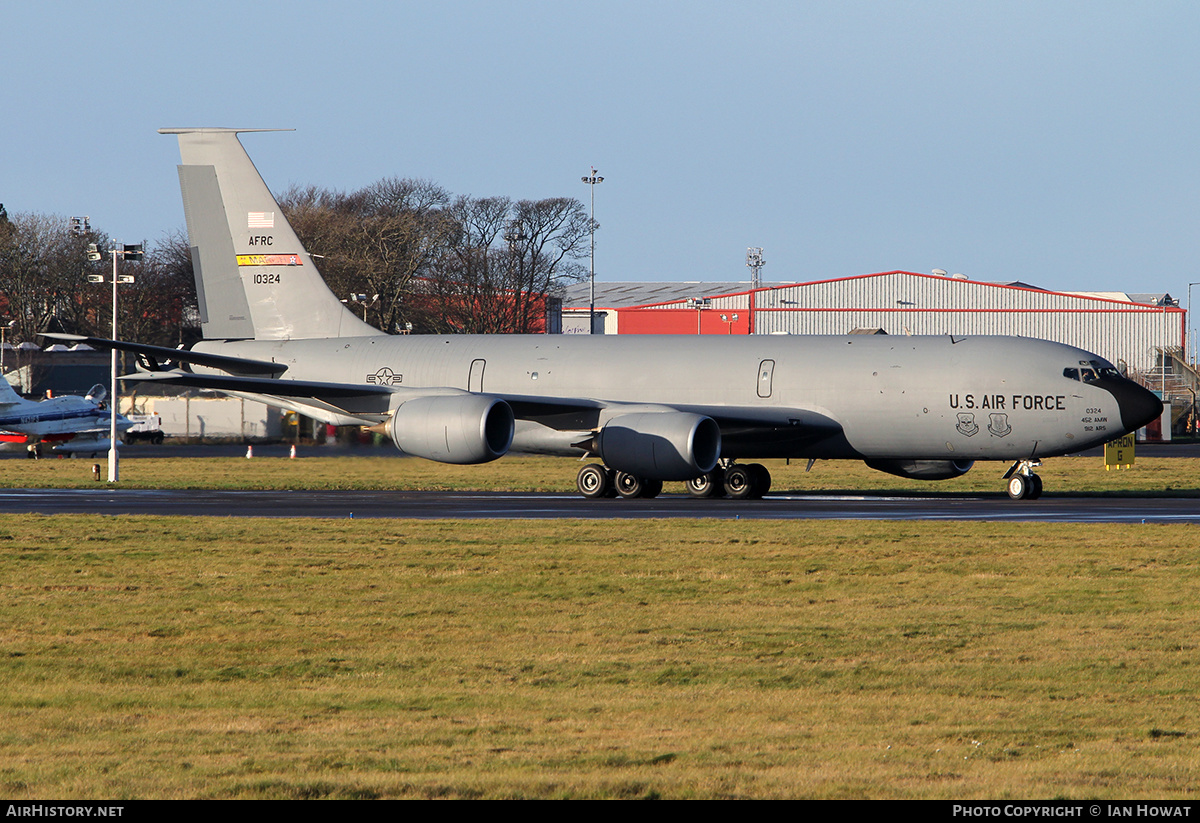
967 425
998 424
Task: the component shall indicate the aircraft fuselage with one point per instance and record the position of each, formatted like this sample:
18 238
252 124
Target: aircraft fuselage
937 398
54 418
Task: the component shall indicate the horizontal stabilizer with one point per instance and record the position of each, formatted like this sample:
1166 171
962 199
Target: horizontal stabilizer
153 358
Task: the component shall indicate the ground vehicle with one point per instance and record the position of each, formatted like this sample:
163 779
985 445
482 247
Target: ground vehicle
146 428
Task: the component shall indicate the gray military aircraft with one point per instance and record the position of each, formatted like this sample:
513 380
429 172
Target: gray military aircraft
648 408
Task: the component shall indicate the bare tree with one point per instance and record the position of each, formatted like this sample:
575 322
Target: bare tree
160 307
555 232
374 241
456 294
43 266
507 259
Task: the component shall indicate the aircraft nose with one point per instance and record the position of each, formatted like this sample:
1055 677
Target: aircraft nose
1138 405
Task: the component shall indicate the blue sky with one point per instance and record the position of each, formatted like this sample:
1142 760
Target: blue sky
1050 142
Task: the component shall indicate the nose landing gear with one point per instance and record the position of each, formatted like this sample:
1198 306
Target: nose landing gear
1023 484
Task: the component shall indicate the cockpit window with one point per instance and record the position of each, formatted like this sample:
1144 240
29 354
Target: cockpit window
1090 371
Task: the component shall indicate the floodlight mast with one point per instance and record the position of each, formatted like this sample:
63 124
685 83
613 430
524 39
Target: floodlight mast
754 259
131 252
592 180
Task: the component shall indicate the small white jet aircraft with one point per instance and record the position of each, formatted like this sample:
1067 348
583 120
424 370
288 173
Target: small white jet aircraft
70 424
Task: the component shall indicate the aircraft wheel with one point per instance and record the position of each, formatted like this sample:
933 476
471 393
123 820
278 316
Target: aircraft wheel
628 485
1018 487
651 488
739 482
707 485
1035 487
593 481
762 479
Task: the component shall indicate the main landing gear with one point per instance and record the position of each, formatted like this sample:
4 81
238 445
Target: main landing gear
595 481
1023 484
740 481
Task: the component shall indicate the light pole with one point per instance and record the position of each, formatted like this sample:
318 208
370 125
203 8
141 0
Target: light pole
699 304
4 327
754 260
361 300
1191 341
129 252
592 180
515 235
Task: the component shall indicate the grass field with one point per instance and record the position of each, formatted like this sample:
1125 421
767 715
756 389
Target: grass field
188 657
181 657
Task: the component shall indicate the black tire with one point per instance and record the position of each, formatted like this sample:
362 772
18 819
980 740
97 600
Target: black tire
739 482
651 488
627 485
630 486
707 485
1035 487
593 481
762 479
1018 487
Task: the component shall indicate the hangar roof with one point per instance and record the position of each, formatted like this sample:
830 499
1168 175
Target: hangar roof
617 295
624 294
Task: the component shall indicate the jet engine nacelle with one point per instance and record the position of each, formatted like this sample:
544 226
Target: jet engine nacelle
923 469
455 428
660 445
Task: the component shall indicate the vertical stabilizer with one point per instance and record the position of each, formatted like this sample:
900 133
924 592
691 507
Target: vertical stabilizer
8 397
253 278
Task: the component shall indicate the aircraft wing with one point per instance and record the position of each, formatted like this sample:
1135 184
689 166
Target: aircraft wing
372 403
369 402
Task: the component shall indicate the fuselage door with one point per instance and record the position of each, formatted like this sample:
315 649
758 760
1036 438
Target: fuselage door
766 372
475 380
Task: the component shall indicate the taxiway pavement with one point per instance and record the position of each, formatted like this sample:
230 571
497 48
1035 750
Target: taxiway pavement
499 505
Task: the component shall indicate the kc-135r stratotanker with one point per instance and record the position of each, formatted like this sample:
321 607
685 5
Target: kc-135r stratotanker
647 408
